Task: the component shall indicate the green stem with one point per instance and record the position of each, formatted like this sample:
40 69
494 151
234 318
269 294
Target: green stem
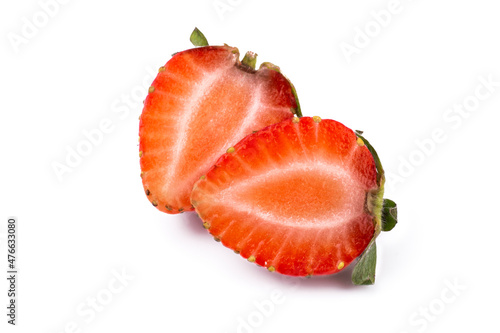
250 59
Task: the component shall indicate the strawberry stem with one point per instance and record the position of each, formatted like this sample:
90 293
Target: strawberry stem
250 59
198 38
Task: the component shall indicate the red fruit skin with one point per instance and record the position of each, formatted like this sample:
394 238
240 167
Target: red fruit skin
292 197
202 101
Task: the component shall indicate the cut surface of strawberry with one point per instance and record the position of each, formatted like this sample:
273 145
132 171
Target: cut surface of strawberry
297 197
203 101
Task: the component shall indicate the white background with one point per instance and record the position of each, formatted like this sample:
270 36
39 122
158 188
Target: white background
77 232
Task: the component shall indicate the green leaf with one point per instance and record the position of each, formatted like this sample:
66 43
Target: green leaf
198 38
389 215
364 271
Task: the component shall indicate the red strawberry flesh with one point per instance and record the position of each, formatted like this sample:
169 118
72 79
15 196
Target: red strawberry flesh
203 101
294 197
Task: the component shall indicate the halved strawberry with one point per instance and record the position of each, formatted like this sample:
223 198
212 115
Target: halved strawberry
301 197
203 101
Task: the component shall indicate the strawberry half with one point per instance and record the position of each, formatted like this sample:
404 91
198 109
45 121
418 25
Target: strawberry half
302 197
203 101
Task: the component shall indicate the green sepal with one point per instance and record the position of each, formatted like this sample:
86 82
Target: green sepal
389 215
198 38
364 271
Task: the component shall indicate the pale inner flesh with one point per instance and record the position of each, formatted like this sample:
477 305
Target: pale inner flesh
207 126
299 195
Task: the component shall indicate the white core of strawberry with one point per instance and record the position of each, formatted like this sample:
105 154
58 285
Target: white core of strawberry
323 195
192 107
248 123
190 141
